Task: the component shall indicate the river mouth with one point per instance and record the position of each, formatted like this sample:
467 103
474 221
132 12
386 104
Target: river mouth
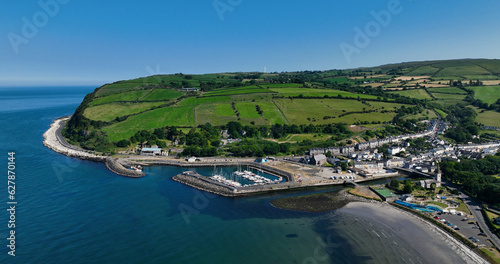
315 203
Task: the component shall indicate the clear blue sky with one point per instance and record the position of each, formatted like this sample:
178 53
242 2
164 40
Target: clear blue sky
94 42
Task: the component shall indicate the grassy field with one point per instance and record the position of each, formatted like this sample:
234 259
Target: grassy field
415 93
423 71
310 92
487 118
441 113
162 94
487 94
108 112
224 110
446 96
451 90
241 90
118 87
171 116
204 100
492 253
462 70
127 96
281 85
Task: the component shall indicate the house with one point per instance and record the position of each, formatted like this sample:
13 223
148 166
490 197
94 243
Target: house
395 163
318 160
261 160
151 151
395 150
407 197
190 89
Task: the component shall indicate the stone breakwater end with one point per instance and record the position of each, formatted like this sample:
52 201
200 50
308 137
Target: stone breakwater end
113 165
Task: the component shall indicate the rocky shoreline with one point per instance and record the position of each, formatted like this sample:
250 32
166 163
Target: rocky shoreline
53 140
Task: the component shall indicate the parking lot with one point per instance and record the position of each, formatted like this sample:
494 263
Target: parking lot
466 229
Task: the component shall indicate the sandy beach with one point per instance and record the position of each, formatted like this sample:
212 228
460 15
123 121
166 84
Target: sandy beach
389 223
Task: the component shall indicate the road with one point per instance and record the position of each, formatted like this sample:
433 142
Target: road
475 209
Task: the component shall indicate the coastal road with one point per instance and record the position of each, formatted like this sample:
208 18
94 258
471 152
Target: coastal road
475 209
63 141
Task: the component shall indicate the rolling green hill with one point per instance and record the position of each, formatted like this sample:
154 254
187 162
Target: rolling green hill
377 95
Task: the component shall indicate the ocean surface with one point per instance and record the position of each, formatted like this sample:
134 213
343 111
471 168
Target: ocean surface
73 211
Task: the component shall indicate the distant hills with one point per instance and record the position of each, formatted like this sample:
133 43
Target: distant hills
370 97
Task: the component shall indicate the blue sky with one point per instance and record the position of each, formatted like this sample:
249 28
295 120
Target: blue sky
70 42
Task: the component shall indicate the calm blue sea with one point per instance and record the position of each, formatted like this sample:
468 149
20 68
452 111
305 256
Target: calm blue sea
72 211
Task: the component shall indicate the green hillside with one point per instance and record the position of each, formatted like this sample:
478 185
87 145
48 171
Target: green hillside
364 96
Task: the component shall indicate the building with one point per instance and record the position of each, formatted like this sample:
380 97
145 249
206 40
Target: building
151 151
395 150
190 89
261 160
427 184
407 197
318 160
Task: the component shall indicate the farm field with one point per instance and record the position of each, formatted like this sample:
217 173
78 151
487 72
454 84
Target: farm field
487 94
451 90
309 92
415 93
108 112
171 116
162 94
240 90
126 96
446 96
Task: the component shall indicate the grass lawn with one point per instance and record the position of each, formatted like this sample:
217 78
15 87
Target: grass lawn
224 109
415 93
462 207
442 205
492 253
162 94
108 112
492 216
127 96
487 94
171 116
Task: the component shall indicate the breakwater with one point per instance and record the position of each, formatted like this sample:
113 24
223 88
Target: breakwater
113 165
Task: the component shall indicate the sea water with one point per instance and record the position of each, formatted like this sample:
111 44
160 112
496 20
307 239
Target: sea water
74 211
